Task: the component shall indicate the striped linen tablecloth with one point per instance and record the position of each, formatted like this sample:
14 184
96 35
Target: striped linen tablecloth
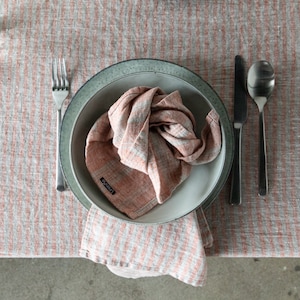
204 36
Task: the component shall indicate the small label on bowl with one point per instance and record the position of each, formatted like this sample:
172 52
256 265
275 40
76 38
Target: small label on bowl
107 186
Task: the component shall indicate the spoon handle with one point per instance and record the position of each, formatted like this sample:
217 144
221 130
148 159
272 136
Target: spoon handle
263 175
236 186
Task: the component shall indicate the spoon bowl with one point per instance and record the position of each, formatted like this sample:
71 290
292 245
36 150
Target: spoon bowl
261 79
260 84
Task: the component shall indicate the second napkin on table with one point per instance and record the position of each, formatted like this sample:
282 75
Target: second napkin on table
144 147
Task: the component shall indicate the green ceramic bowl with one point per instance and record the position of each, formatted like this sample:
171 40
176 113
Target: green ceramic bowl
101 91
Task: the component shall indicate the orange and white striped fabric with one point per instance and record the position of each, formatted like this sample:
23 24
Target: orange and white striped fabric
138 153
132 250
144 147
204 36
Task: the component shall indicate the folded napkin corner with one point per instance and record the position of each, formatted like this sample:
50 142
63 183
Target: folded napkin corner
129 250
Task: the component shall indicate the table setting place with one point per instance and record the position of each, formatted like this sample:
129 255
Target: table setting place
146 135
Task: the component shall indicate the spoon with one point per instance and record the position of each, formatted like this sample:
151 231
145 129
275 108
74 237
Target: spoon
260 84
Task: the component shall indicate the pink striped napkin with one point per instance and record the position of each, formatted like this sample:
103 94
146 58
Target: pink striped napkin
145 146
132 250
138 153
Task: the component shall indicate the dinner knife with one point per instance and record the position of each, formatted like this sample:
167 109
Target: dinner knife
240 117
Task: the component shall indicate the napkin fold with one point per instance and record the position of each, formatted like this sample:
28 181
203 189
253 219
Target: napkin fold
132 250
144 147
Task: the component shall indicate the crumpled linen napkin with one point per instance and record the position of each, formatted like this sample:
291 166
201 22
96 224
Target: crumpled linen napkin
138 153
131 250
144 147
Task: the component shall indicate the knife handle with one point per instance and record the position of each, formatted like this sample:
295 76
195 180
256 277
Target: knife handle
236 183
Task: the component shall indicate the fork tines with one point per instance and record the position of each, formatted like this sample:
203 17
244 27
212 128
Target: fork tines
59 75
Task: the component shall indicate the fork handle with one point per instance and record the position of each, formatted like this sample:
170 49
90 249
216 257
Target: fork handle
60 181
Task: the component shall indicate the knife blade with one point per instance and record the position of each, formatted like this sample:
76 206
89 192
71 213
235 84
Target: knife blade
240 117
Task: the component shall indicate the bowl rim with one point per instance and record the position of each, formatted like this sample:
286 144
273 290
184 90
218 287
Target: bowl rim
124 68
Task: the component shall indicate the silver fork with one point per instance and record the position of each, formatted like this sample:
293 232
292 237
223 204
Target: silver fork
60 91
